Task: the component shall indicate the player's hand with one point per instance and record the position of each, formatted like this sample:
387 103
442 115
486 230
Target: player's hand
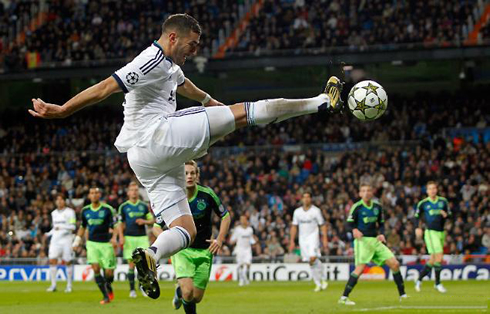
357 234
114 243
140 221
213 102
122 241
215 246
45 110
418 233
444 214
76 242
381 238
325 244
291 247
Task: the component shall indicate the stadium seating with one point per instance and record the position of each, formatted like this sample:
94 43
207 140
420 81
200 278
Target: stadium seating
78 33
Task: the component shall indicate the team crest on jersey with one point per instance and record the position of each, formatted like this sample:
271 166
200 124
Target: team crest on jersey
440 204
141 207
132 78
101 214
376 211
201 204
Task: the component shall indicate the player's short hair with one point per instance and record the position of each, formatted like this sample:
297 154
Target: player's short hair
307 192
133 183
182 23
193 163
94 187
431 182
60 194
365 183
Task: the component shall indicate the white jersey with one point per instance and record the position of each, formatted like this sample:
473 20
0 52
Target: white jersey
308 222
244 238
150 83
64 223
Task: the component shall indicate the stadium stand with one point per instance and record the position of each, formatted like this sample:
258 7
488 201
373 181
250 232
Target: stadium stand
78 32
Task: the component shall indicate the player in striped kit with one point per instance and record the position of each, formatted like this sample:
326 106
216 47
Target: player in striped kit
64 223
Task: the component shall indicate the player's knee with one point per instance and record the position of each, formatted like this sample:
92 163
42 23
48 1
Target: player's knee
187 293
192 232
395 266
198 298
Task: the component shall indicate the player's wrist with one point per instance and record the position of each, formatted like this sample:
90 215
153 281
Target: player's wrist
206 99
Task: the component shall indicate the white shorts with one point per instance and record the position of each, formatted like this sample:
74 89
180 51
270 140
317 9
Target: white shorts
309 249
244 257
158 158
61 250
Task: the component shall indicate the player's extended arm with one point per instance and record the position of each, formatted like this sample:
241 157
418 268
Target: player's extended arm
292 237
324 236
191 91
89 96
223 231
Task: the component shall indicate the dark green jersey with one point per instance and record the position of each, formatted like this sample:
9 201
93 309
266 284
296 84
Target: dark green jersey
98 221
368 219
431 212
203 204
129 212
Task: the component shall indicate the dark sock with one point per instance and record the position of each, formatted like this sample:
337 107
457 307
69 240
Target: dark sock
425 271
179 292
131 279
102 286
350 284
109 280
399 283
189 307
154 249
438 268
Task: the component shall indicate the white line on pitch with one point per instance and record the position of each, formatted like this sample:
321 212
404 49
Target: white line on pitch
462 307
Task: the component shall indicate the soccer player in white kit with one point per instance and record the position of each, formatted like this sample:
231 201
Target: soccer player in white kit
243 236
64 224
307 218
158 140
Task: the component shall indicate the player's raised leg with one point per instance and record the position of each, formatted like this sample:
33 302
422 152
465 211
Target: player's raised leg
268 111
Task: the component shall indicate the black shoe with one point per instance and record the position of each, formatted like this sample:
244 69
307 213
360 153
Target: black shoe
147 272
177 301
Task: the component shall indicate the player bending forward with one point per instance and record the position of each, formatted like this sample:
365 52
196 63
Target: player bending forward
64 223
158 140
99 218
366 220
307 218
193 265
435 210
133 216
243 236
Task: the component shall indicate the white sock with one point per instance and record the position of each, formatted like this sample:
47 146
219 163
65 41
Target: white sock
69 275
246 272
170 242
52 270
321 270
276 110
315 275
241 276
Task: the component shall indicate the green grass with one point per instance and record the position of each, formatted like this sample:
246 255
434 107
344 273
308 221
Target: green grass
258 298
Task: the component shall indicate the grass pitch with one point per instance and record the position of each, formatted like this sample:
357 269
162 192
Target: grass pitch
258 298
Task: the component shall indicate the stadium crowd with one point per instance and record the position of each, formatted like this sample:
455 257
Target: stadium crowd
77 30
37 160
357 24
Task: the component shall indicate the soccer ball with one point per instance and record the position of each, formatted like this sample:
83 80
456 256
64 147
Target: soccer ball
367 100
